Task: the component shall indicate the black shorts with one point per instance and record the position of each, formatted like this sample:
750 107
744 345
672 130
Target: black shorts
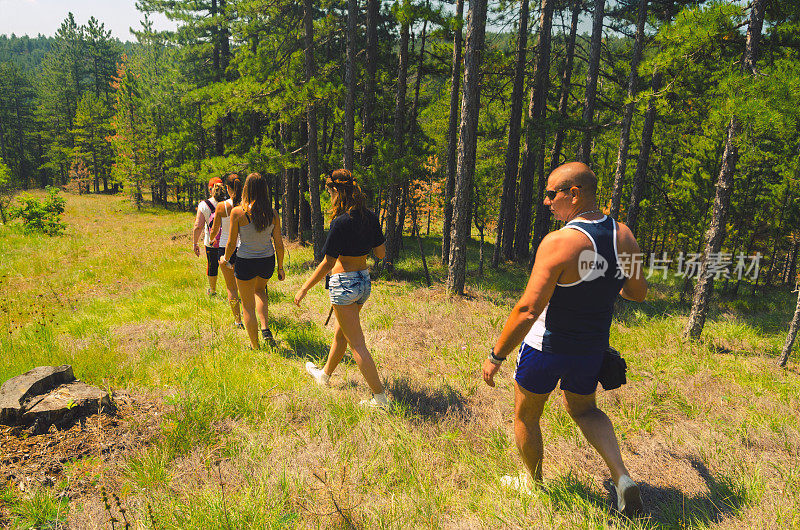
212 256
248 268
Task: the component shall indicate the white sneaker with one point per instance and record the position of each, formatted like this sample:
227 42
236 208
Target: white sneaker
319 376
377 401
629 498
519 483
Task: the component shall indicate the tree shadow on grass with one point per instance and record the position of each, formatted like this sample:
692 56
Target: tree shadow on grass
671 508
299 340
430 404
664 507
627 312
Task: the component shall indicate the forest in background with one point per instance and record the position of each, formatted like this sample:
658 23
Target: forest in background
687 112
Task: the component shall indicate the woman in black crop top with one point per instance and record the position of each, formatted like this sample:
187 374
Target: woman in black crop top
354 232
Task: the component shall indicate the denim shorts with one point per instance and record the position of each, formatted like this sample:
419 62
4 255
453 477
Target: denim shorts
347 288
539 372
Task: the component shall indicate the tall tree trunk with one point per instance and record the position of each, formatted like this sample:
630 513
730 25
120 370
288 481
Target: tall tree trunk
566 79
417 82
224 40
637 191
467 144
303 206
627 113
201 132
401 214
452 134
219 134
585 150
779 233
791 273
289 188
350 84
373 11
317 229
533 136
724 188
415 234
394 191
542 223
505 218
787 346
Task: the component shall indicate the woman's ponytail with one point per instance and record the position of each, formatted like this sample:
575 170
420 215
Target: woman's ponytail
235 183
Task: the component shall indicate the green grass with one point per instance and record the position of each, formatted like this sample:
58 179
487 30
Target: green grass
710 429
41 508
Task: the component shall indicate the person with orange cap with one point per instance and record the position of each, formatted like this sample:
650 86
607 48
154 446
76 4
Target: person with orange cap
202 224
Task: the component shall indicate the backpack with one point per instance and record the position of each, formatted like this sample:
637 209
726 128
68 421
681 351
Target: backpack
215 242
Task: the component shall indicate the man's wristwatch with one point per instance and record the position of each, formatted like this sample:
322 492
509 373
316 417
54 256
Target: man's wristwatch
494 359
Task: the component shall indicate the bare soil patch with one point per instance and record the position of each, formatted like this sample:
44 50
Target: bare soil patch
32 461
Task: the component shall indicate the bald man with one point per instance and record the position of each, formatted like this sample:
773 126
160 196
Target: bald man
563 320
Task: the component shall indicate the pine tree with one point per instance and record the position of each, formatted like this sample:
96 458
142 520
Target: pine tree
452 132
467 142
724 186
506 219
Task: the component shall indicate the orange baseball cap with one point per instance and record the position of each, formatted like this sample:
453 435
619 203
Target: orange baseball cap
215 180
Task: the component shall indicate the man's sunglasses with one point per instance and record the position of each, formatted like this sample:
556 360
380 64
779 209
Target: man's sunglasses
551 194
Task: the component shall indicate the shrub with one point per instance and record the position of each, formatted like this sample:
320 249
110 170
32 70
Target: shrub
6 190
43 217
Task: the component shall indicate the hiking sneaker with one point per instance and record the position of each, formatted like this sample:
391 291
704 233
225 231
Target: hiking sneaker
518 483
319 376
266 334
238 325
629 498
211 293
377 401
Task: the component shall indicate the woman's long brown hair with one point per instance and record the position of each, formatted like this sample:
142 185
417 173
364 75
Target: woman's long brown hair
256 201
348 196
235 183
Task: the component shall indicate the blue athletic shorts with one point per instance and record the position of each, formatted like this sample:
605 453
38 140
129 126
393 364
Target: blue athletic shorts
540 372
346 288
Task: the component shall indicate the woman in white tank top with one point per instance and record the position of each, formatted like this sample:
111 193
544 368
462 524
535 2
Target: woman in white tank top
222 224
259 254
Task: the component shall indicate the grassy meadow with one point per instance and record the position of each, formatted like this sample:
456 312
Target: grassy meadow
710 430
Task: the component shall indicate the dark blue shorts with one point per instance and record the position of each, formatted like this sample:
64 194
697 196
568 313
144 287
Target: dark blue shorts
540 372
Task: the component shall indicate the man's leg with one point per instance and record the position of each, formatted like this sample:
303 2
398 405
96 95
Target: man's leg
597 429
528 411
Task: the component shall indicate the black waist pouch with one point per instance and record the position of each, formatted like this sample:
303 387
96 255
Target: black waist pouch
612 372
327 281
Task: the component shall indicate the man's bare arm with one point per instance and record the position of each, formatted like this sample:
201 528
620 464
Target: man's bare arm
550 261
551 258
